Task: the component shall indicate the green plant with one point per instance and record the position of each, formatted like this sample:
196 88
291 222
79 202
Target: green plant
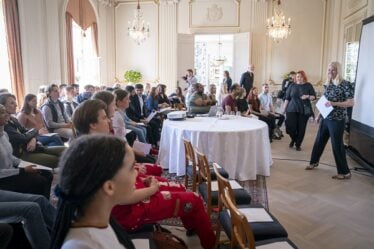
132 76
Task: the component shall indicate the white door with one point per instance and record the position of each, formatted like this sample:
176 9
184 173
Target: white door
186 56
242 55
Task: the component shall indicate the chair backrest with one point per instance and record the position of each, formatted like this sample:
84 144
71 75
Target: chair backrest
242 234
223 184
204 176
190 157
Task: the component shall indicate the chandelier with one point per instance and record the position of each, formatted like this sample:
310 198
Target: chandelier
137 29
219 60
107 3
277 26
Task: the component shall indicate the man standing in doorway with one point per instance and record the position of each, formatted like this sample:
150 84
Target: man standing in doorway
246 81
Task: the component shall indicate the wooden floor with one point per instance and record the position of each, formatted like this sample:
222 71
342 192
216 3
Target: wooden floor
317 211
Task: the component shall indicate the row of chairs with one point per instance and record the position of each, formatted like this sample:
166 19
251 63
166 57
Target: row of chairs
246 225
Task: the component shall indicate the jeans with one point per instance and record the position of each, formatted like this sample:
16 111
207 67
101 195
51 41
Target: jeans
333 129
140 131
34 211
50 140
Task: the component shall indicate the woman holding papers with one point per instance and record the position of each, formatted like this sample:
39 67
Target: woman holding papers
298 108
339 94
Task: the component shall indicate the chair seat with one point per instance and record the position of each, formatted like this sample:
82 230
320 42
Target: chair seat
241 195
261 230
278 243
213 177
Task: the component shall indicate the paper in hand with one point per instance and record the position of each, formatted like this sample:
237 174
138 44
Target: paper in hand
323 109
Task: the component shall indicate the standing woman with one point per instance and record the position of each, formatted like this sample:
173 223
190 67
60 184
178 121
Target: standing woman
224 87
90 185
339 94
298 107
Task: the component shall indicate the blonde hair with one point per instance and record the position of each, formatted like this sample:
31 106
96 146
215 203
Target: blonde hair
338 79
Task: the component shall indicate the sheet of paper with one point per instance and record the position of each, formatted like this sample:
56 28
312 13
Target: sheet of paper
140 123
142 147
141 243
152 115
128 131
255 214
321 106
48 134
234 185
24 164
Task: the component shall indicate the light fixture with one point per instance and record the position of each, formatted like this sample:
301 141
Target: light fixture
107 3
219 60
277 26
137 29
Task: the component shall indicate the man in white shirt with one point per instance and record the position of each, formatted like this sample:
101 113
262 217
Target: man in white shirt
267 108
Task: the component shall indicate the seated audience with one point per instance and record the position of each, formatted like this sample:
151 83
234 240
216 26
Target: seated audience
35 213
76 88
89 90
41 96
229 102
108 99
212 94
122 99
267 108
198 102
55 117
31 118
69 102
83 216
62 89
254 108
24 142
138 112
242 102
163 100
12 178
139 213
177 97
151 102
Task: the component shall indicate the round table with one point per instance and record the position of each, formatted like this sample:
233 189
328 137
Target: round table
240 145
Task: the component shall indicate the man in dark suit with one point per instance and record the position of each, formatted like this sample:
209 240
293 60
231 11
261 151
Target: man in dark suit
138 113
69 103
246 81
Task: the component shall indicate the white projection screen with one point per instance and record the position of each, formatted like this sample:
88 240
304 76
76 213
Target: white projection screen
362 123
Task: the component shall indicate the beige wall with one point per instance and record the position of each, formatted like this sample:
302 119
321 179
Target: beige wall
42 25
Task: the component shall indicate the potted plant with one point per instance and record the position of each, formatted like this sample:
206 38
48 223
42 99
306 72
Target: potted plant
132 76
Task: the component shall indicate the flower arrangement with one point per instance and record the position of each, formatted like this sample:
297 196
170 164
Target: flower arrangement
132 76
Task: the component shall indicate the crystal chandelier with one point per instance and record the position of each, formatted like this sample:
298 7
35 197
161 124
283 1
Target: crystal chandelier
219 60
107 3
137 29
277 26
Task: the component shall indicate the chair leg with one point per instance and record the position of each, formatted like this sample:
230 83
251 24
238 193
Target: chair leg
186 180
218 236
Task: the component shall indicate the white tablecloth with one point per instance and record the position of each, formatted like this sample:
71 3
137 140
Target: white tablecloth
240 145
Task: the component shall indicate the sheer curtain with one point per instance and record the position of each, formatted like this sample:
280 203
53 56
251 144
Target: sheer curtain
11 16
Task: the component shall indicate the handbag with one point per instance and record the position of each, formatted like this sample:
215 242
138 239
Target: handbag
164 239
307 109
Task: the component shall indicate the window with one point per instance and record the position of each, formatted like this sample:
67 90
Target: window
4 60
207 49
86 63
351 56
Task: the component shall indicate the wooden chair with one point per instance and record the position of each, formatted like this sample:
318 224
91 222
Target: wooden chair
190 164
209 194
266 229
192 167
243 236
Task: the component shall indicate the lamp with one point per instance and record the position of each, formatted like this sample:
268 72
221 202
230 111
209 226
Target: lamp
277 26
137 29
220 60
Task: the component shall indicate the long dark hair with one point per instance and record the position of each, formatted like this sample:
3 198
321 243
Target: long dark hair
26 108
83 172
153 93
105 96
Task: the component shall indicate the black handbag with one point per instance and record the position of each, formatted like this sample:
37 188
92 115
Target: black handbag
307 108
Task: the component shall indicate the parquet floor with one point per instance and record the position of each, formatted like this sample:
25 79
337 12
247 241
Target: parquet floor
317 211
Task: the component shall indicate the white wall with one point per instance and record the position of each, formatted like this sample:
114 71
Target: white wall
42 25
302 50
129 55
